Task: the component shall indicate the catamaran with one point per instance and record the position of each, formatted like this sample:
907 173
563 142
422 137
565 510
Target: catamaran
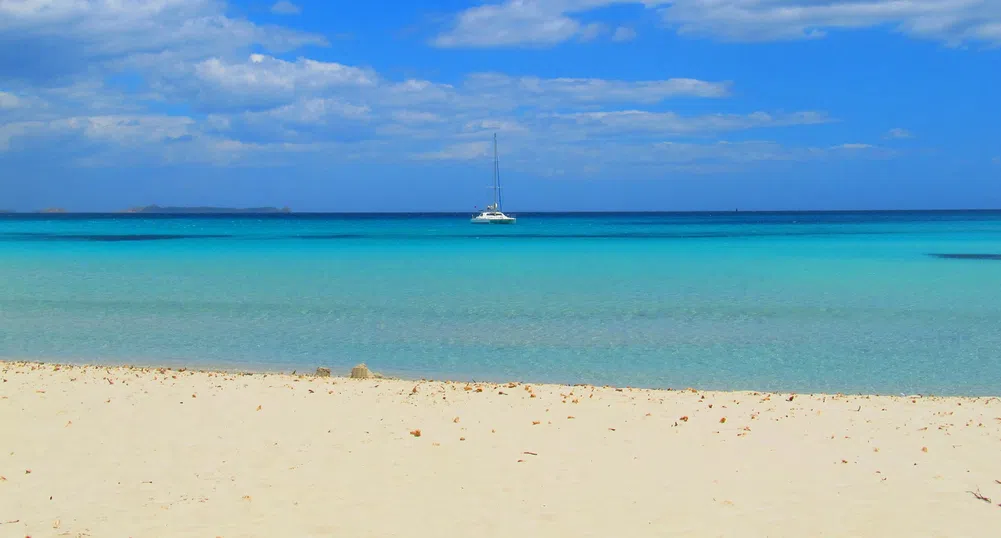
493 214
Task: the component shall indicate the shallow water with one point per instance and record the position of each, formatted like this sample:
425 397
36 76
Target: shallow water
837 302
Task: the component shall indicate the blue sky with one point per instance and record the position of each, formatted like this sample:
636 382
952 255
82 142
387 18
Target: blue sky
598 104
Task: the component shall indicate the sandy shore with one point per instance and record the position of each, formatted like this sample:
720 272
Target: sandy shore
108 452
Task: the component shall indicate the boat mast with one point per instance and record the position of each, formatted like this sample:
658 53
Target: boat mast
497 198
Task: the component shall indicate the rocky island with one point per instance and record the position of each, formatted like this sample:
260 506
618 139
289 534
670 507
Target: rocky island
155 209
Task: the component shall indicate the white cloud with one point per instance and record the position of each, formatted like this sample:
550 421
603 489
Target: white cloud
119 130
259 81
623 33
516 22
634 121
729 152
548 22
589 90
853 146
457 152
267 74
263 81
317 111
617 157
592 31
76 37
416 117
284 7
233 105
898 133
301 122
9 100
949 21
484 126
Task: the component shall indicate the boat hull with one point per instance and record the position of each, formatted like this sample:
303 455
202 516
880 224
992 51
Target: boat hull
478 220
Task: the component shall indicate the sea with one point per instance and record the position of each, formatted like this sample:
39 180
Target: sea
840 302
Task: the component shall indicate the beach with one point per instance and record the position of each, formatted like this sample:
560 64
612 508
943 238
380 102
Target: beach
122 451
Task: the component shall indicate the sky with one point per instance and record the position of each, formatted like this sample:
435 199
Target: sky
598 105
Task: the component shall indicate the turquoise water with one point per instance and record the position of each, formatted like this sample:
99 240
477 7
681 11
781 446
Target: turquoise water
844 302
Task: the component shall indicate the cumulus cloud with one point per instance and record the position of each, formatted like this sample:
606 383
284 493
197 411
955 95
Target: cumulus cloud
233 104
284 7
589 90
9 100
261 81
517 22
74 38
539 22
416 117
623 33
632 121
591 31
950 21
258 81
119 130
457 152
898 133
853 146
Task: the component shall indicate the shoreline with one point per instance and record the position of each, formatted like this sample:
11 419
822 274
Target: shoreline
182 365
119 451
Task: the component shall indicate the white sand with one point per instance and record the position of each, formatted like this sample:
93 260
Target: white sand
147 453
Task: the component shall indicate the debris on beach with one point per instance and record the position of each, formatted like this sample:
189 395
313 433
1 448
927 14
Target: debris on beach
322 371
416 433
979 496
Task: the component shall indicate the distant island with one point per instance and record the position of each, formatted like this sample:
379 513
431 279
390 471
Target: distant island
206 210
52 210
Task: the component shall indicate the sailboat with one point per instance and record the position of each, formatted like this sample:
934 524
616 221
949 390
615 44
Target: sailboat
493 214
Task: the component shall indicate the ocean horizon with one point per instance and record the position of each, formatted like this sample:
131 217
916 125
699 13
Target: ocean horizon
880 302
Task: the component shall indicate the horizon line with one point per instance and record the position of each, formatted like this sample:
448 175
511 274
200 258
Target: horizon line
241 211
